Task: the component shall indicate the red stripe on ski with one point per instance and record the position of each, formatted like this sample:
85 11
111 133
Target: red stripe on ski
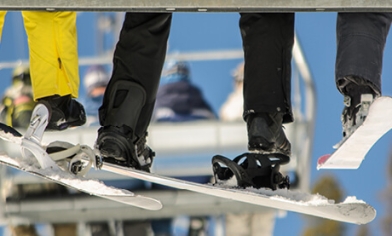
323 159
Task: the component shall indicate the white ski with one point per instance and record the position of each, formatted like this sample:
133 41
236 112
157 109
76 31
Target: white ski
35 160
351 152
90 186
351 210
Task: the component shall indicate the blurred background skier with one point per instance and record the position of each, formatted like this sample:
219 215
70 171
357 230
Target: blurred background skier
17 103
95 81
178 99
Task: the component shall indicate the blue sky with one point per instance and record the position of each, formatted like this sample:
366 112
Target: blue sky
212 31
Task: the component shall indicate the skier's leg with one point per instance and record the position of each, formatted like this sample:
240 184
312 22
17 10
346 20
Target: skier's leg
267 41
130 96
54 65
361 39
53 53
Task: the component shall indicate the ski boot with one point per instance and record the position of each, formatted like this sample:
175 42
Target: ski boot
115 146
268 149
64 112
117 141
358 96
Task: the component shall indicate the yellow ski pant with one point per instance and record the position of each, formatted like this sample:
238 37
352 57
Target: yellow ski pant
52 40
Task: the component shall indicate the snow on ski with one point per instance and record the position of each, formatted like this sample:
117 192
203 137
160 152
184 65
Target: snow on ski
90 186
54 173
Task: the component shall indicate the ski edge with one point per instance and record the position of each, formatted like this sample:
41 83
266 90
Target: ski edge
137 200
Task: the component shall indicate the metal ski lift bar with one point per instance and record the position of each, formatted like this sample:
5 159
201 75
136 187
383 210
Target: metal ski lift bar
201 5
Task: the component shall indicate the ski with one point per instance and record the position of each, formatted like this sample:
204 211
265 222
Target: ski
351 152
36 161
89 186
350 211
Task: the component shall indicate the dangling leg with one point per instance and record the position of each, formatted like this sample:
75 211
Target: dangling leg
361 39
130 96
267 42
54 66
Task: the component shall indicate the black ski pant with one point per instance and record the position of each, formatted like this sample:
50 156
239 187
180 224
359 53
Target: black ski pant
268 39
361 39
267 42
139 57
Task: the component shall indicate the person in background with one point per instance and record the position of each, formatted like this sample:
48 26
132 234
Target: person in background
233 107
95 81
17 103
178 99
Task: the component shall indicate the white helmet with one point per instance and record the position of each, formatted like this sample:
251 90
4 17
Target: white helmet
238 73
96 76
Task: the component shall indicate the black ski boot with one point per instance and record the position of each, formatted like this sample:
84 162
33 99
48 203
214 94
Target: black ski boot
266 135
269 148
118 146
119 116
358 96
64 112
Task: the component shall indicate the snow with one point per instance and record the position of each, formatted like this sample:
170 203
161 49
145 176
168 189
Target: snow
10 137
285 194
93 186
352 199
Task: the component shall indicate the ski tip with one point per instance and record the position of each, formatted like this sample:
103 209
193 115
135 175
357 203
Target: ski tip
322 160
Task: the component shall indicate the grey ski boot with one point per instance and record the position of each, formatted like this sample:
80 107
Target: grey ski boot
358 96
